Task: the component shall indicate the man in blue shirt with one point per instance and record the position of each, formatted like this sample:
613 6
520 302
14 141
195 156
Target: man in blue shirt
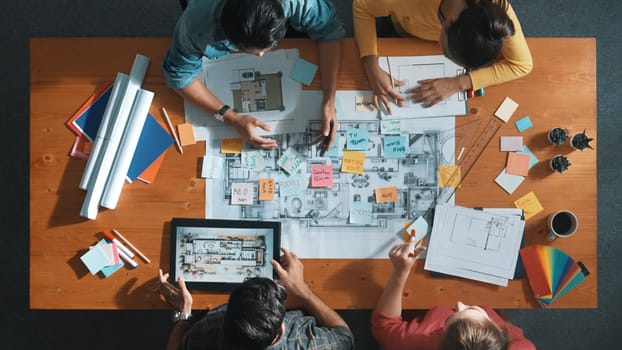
213 28
255 316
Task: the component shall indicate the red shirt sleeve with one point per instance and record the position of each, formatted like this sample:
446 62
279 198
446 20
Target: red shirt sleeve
393 333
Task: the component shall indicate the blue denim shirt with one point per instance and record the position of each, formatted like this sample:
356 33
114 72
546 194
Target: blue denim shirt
199 33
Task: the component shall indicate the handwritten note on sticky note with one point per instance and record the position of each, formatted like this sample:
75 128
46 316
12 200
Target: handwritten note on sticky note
292 185
353 162
231 145
364 104
518 164
357 139
361 213
530 205
242 193
386 194
390 127
333 151
322 176
266 189
303 71
291 161
449 176
394 146
213 168
253 160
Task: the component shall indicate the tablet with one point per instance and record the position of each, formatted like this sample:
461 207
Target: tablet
221 254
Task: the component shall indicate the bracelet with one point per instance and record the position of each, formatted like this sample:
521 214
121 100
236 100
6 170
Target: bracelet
180 316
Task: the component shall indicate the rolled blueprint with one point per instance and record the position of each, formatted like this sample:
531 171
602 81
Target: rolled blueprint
99 177
126 150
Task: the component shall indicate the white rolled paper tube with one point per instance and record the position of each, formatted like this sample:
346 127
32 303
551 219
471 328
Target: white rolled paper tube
99 177
125 153
101 139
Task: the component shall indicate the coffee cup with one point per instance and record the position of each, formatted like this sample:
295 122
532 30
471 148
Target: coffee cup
562 224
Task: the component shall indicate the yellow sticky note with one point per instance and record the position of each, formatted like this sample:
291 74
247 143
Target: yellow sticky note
386 194
266 189
353 162
530 205
449 175
233 145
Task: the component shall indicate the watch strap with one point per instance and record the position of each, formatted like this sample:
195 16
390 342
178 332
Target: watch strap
220 115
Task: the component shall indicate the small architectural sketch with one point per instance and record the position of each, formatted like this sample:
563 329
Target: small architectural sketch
478 233
256 92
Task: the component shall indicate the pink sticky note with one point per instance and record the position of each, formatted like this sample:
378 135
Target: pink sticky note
322 176
518 164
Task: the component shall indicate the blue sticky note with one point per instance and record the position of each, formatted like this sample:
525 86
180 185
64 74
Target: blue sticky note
357 139
334 149
303 71
360 213
523 123
293 185
109 270
532 157
394 146
95 259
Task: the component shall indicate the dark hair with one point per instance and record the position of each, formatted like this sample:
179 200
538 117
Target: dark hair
254 315
468 334
476 37
253 24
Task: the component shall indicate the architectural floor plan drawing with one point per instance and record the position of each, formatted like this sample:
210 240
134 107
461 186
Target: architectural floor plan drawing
325 212
256 92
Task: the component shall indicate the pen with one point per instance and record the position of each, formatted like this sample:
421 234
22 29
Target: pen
126 258
109 236
131 246
170 126
327 138
390 75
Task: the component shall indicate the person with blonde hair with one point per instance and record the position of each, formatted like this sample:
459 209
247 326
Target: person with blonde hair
467 327
483 36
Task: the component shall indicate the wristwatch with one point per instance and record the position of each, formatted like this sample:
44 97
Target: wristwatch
180 316
220 115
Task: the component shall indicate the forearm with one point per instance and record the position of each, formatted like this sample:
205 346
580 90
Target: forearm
330 59
180 328
202 97
325 316
390 302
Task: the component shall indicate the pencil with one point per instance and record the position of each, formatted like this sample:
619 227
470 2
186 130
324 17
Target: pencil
390 74
170 126
138 252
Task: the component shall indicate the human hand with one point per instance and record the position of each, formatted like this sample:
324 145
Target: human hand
403 257
245 126
380 83
180 298
326 137
291 274
433 91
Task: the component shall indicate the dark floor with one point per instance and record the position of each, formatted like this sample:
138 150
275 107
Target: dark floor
22 328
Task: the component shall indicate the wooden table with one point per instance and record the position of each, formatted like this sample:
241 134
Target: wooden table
560 91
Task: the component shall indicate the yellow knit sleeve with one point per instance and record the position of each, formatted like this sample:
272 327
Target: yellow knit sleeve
515 61
364 13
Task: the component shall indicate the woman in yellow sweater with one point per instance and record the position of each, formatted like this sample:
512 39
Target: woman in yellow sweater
483 36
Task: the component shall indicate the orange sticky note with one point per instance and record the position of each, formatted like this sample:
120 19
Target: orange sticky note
322 176
530 205
232 145
266 189
386 194
518 164
449 176
353 162
186 134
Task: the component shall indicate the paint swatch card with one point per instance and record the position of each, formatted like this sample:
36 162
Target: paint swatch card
242 193
386 194
357 139
509 182
523 123
506 109
390 127
266 189
449 176
213 168
530 205
303 71
353 162
394 146
322 176
291 161
518 164
293 185
253 160
360 213
231 145
511 143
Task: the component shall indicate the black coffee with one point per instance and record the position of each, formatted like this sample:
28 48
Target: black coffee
562 223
